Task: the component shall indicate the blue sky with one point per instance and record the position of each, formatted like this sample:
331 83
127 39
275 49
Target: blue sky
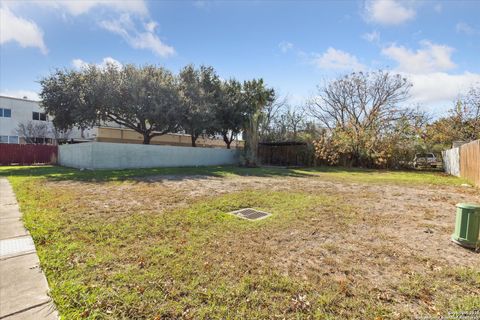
294 46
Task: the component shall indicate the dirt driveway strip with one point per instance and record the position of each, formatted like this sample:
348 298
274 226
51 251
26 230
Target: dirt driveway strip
23 286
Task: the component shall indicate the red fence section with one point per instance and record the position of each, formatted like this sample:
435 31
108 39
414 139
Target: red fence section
24 154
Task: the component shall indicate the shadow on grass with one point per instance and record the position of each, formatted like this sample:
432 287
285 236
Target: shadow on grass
367 171
152 175
57 173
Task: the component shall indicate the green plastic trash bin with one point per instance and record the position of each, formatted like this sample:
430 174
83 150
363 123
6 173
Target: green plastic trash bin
467 225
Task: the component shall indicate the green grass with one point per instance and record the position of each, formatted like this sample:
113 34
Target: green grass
196 261
335 173
109 270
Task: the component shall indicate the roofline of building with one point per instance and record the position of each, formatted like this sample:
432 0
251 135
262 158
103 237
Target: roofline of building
29 100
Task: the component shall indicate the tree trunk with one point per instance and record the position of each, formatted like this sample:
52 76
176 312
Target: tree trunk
251 142
194 140
227 140
146 139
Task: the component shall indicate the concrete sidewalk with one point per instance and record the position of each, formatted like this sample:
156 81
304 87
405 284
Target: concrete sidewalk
23 286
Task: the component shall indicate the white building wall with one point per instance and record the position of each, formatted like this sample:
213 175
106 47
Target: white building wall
22 112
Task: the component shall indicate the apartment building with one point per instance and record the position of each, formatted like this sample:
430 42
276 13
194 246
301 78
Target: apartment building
37 126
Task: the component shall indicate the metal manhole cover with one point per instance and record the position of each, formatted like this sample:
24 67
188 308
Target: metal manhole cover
250 214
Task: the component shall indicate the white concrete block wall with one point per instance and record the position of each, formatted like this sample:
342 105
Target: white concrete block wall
76 155
103 155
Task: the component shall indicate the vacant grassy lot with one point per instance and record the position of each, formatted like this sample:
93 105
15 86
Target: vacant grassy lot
158 244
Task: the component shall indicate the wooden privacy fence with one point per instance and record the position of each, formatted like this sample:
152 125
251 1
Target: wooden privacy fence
451 161
470 161
25 154
283 153
464 161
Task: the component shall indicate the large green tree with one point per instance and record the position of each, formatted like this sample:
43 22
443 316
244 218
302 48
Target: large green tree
68 96
230 113
143 99
199 91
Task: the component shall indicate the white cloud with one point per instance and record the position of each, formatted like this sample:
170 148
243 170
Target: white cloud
25 32
337 59
151 26
79 63
146 39
388 12
373 36
438 8
463 27
21 94
432 88
78 7
285 46
430 58
426 69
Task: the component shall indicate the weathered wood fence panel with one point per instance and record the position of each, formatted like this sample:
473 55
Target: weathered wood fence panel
464 161
451 161
283 154
470 161
25 154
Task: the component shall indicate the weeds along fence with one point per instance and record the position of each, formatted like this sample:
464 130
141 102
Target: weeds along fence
464 161
25 154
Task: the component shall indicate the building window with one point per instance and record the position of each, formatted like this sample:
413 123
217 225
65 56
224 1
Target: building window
6 113
39 140
39 116
9 139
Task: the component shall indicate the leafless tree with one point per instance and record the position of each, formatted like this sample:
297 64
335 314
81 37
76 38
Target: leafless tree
270 115
62 135
362 100
32 131
471 111
294 122
361 106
